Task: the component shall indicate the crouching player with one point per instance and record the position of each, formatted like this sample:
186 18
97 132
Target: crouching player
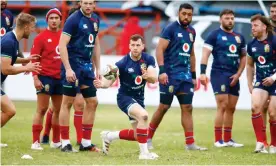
261 51
135 70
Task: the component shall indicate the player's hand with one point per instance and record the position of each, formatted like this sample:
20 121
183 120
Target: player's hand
250 87
98 75
203 79
38 85
235 79
34 57
70 75
163 79
268 81
144 74
98 83
33 67
195 83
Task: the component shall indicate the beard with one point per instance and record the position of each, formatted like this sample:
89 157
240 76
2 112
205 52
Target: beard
229 27
3 7
184 24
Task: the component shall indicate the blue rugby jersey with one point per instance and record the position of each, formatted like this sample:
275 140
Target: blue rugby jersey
130 76
264 55
9 49
177 55
226 49
83 32
6 22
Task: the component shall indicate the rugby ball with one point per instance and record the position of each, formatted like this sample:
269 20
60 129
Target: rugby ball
110 72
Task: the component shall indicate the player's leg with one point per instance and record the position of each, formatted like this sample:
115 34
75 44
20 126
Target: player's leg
47 126
124 103
164 105
64 121
272 122
264 115
56 104
259 98
69 93
7 111
78 107
220 85
91 103
185 94
42 107
141 116
229 116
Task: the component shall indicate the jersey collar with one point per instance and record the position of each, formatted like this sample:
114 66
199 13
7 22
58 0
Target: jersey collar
133 59
13 31
84 14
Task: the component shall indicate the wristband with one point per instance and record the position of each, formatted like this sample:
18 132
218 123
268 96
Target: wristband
194 75
161 69
203 69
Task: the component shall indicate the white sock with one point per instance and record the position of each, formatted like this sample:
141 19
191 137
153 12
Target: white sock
143 148
86 142
113 135
65 142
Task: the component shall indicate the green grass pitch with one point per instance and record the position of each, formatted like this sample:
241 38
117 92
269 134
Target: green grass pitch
168 141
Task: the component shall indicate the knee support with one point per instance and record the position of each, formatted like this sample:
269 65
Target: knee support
88 92
185 98
69 91
166 99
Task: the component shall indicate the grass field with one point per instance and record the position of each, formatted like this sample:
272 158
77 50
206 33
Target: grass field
168 141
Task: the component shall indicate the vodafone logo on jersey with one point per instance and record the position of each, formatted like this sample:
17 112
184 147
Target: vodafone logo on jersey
186 47
138 80
262 60
91 38
2 32
233 48
57 50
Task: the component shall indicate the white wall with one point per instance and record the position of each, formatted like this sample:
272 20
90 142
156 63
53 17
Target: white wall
20 87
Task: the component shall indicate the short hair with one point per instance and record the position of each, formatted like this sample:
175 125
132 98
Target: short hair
24 19
226 11
185 6
136 37
273 5
264 20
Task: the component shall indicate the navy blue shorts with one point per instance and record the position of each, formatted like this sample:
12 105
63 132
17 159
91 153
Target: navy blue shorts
270 89
51 85
125 102
221 83
168 91
85 76
176 86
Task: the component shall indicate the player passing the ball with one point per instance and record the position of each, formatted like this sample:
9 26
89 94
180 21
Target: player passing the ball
135 70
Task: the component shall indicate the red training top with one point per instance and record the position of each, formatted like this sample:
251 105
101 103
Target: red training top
46 45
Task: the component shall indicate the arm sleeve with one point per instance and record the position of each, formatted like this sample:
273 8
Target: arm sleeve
7 49
249 50
243 45
37 49
70 26
151 62
167 33
210 41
